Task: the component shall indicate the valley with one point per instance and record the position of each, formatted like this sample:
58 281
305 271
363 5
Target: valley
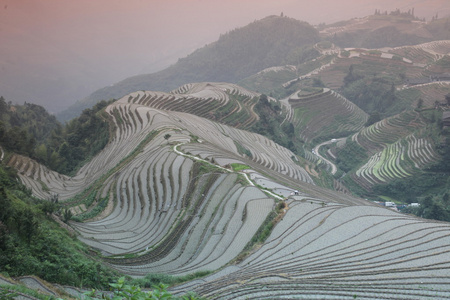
268 187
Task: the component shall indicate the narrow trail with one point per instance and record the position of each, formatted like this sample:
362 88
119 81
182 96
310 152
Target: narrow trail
175 148
316 152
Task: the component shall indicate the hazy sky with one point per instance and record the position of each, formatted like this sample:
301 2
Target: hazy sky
54 52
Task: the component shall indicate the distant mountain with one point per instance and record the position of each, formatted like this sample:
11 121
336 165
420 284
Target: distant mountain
237 54
272 41
386 30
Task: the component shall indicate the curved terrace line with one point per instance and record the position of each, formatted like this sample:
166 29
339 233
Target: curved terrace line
225 169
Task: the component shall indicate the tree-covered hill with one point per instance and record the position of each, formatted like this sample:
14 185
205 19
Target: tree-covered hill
22 127
235 55
31 131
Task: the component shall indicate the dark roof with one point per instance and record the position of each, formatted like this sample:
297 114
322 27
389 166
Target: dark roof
446 118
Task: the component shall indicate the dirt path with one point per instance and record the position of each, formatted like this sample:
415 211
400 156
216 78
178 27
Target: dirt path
316 152
175 148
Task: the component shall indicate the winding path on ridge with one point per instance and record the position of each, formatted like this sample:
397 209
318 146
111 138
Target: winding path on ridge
175 148
316 152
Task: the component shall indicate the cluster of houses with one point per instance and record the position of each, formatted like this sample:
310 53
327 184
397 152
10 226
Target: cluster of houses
396 207
431 78
446 118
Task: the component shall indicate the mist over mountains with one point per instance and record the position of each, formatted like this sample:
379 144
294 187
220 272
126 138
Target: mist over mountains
54 53
268 42
240 53
283 160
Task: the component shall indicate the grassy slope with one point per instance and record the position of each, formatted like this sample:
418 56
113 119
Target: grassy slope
31 242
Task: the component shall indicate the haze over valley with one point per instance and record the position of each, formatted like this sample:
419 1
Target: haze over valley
55 53
225 149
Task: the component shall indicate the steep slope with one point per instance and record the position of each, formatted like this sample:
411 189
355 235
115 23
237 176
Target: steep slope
325 115
236 55
386 82
330 251
166 200
171 203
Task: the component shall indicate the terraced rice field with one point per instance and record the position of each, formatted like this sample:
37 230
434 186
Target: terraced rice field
377 136
398 160
432 92
174 210
398 148
424 53
331 251
221 102
175 206
326 114
413 61
43 181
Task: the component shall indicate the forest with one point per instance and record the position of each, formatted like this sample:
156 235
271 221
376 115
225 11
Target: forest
31 131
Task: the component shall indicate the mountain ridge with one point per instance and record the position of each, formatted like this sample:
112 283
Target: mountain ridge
292 42
223 60
212 176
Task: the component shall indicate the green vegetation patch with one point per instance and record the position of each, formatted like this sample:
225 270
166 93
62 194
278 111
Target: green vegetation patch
10 292
263 232
30 130
95 211
242 150
412 188
239 167
266 228
123 290
350 156
152 279
32 243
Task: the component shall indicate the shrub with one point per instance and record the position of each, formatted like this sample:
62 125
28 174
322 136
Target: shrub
126 291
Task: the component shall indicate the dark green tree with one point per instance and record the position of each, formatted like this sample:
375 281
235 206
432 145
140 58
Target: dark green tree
420 103
27 224
3 107
5 204
373 118
351 76
67 215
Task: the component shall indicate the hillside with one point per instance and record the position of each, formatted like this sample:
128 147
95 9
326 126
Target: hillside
174 200
272 42
333 251
178 166
234 56
266 188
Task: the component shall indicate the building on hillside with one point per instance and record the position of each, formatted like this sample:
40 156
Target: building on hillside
431 78
440 77
416 81
446 118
